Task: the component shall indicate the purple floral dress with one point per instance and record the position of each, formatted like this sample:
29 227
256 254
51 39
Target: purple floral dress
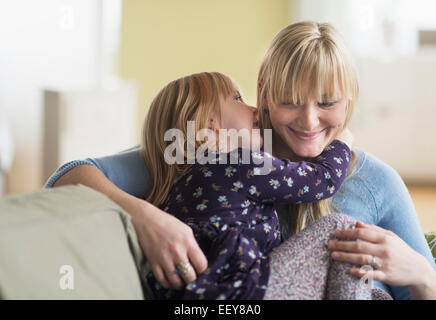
230 208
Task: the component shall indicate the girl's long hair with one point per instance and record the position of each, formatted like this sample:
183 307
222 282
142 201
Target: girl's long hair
192 98
303 59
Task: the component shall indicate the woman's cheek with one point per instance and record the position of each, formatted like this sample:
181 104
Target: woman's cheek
281 116
336 119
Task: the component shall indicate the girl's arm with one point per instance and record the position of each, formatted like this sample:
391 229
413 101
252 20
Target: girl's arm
295 182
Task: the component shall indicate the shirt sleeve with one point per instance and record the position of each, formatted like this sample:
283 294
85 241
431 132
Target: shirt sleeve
127 170
297 182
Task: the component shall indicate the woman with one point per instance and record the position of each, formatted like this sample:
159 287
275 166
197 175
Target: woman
390 239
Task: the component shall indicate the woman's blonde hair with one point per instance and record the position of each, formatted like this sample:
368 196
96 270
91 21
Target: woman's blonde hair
196 98
305 59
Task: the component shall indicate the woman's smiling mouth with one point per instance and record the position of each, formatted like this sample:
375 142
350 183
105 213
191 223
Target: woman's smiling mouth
308 136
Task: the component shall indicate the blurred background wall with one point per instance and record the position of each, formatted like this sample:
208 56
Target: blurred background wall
77 75
69 48
73 46
164 40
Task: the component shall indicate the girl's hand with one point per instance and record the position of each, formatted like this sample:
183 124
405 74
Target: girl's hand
167 241
400 264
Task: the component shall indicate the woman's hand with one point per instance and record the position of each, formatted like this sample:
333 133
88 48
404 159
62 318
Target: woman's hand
167 241
400 264
164 239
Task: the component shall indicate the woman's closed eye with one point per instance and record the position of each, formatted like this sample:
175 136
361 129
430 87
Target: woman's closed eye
326 104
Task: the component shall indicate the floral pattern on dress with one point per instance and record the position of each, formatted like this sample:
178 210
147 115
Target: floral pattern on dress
230 209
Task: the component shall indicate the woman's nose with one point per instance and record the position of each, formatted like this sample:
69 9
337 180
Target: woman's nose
308 118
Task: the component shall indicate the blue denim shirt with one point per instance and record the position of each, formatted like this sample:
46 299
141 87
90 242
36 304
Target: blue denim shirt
374 194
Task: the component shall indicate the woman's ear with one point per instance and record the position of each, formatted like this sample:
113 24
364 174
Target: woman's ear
265 105
213 124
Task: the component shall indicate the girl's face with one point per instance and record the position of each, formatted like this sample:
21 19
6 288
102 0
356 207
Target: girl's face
236 114
306 129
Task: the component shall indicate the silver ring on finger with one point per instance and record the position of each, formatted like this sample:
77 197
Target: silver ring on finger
183 268
375 263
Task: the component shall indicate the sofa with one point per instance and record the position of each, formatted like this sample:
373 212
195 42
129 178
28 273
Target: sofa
72 242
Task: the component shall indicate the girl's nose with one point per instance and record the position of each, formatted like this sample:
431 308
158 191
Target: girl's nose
252 109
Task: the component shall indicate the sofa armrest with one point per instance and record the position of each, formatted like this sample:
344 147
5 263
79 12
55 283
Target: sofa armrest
70 242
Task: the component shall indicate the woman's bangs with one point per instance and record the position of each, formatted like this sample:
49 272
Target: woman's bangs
327 82
321 77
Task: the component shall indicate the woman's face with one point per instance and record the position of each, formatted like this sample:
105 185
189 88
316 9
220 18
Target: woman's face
306 129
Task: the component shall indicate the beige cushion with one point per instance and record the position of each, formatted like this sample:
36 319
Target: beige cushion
68 226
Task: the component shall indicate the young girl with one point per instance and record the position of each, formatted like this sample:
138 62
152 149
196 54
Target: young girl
228 206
